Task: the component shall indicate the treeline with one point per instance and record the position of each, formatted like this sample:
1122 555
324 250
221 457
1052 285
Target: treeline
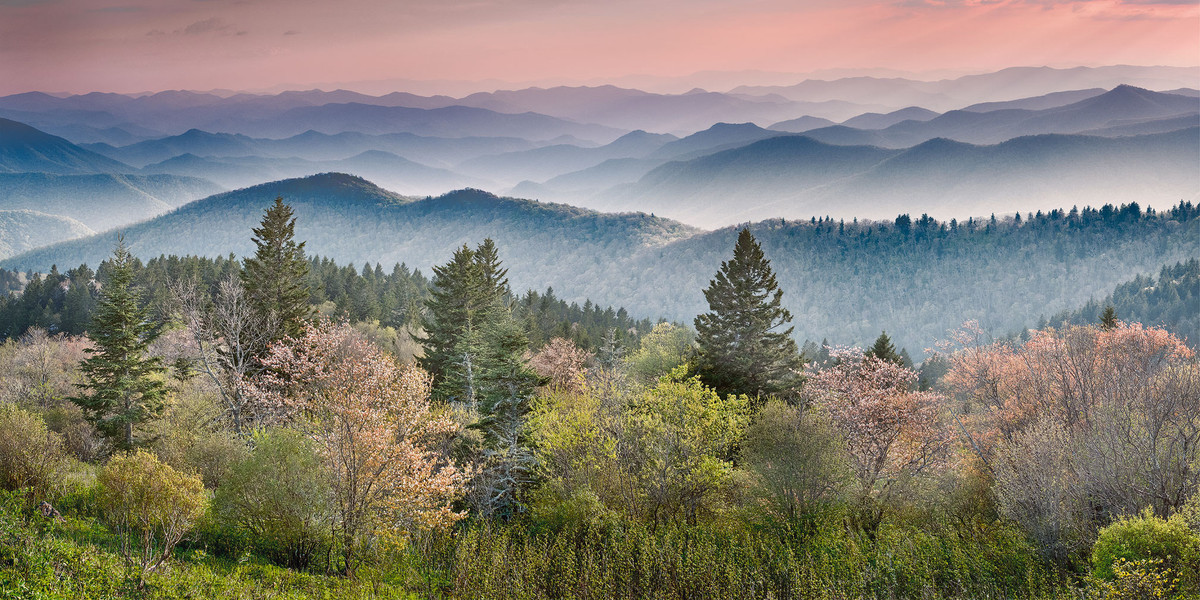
63 302
1172 301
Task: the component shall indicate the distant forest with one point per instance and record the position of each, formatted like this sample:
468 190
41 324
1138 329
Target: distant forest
844 281
64 302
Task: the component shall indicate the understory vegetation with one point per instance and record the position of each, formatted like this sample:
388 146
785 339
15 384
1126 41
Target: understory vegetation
280 427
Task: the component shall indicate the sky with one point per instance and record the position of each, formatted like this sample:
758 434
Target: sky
134 46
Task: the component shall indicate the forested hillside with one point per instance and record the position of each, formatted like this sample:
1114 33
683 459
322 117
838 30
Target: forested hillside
23 230
1170 300
845 281
64 302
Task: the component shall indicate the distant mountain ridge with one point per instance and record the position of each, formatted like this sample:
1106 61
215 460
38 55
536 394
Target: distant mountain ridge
25 149
1121 104
796 177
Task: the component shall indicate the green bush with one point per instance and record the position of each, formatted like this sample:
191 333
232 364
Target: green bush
1173 547
31 457
279 495
150 505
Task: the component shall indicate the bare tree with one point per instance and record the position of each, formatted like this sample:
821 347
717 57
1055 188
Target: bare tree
229 338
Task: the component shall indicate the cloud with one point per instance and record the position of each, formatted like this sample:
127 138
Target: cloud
118 9
291 32
1042 3
213 25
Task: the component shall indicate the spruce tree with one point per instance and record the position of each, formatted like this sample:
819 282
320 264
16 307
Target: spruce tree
466 302
473 349
741 347
1108 320
883 349
275 278
126 386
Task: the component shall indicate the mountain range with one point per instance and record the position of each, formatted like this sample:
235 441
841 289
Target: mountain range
798 176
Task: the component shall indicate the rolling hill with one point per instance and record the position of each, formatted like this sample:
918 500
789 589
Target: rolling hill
916 278
101 201
24 230
25 149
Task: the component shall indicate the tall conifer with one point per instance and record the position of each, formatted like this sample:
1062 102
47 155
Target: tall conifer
275 278
742 350
126 387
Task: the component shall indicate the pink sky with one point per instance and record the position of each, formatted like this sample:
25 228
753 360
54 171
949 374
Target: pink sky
150 45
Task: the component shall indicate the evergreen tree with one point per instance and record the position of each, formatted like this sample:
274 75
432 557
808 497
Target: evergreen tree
275 278
741 351
883 349
466 302
506 386
126 387
474 349
1108 320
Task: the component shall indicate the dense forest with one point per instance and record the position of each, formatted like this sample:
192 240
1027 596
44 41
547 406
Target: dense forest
64 302
285 426
1172 300
914 276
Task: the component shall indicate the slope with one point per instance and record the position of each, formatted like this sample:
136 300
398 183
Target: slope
26 149
24 230
100 201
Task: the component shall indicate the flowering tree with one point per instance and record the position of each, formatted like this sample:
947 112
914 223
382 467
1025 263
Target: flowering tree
1112 413
561 362
371 420
890 430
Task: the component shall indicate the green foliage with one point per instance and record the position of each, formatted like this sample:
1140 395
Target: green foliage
740 351
125 384
687 435
799 464
275 278
150 505
1173 546
883 349
280 496
659 352
32 458
661 455
609 560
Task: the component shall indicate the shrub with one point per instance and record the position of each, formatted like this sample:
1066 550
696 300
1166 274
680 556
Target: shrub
1143 543
150 506
31 457
279 494
798 462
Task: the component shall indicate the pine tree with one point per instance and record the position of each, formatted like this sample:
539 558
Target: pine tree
883 349
465 303
126 386
275 278
1108 320
741 351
